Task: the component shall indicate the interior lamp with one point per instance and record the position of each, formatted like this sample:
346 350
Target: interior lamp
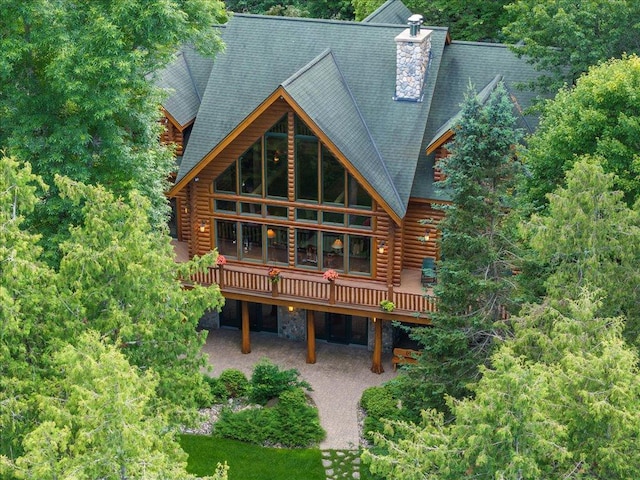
271 233
337 244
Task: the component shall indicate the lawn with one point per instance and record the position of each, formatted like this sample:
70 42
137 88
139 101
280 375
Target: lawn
250 462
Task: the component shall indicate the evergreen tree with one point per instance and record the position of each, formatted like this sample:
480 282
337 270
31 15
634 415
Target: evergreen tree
589 236
118 277
560 401
95 421
477 246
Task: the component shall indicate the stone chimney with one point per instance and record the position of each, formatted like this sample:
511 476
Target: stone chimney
413 50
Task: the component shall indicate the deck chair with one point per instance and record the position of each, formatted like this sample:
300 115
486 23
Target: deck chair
428 271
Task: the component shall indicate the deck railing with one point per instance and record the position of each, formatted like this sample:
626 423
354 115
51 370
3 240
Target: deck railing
361 294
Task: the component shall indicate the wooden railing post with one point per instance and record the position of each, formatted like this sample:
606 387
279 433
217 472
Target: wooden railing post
332 292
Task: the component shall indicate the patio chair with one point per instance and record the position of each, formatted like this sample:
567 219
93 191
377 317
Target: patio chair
428 271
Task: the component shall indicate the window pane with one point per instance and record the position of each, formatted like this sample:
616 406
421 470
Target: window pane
360 221
280 127
251 242
307 215
226 238
358 197
333 217
226 182
332 251
332 179
251 208
307 169
277 245
276 163
251 170
359 254
225 205
307 248
274 211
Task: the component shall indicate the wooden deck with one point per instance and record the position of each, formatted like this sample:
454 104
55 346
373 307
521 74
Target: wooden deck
349 295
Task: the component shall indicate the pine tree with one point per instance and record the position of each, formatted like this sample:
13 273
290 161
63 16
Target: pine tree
477 248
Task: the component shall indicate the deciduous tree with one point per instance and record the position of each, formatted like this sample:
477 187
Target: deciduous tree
565 37
96 421
126 285
76 96
589 236
117 276
600 117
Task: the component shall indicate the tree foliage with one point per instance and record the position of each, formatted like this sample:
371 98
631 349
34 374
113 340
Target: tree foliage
590 237
335 9
76 97
477 247
565 37
126 285
474 20
118 277
29 302
96 421
558 402
600 117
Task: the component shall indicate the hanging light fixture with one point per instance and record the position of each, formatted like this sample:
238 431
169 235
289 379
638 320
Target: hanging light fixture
276 157
381 246
337 244
271 233
203 226
426 235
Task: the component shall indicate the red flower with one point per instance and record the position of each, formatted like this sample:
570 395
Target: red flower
221 260
330 275
274 275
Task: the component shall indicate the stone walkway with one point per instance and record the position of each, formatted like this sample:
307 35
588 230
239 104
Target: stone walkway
338 378
341 464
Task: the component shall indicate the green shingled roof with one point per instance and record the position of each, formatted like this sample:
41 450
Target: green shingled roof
391 11
185 80
264 52
342 74
320 89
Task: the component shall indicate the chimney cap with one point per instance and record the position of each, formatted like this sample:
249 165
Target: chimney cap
414 22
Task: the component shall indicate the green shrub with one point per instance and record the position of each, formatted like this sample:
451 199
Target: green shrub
250 425
292 422
379 403
202 396
235 382
269 381
219 393
295 423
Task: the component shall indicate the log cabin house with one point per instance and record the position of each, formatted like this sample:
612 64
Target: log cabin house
310 145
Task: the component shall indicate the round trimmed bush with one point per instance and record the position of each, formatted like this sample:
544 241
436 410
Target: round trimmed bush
235 382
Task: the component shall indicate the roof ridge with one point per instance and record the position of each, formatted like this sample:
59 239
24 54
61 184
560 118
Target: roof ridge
191 77
366 127
329 53
479 44
331 21
297 74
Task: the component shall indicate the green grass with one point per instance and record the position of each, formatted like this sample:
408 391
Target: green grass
250 462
